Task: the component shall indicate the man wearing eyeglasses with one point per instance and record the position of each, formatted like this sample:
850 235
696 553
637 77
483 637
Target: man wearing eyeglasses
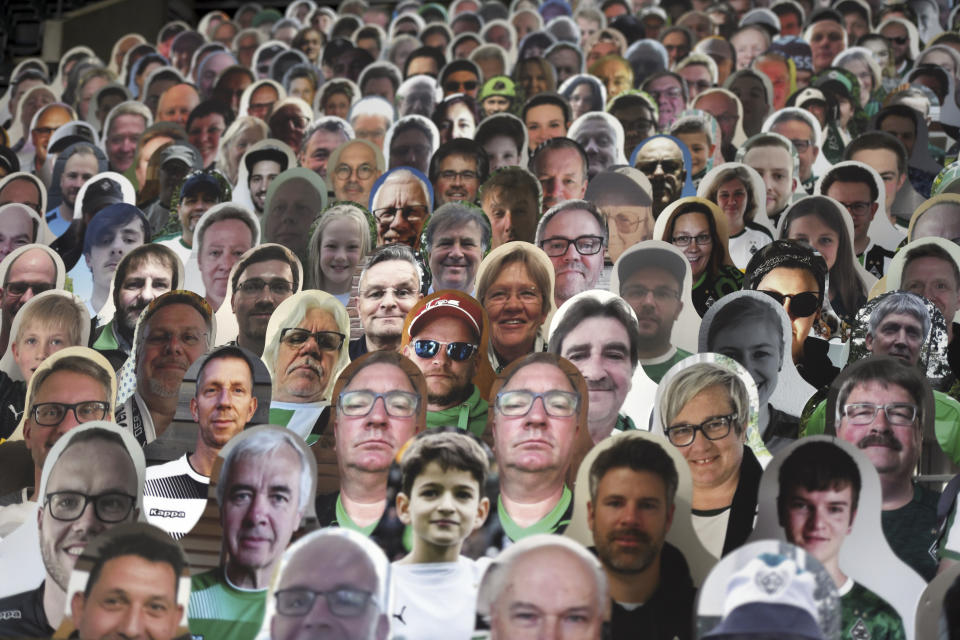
29 272
573 235
265 276
305 351
330 582
457 170
401 205
880 409
356 166
444 344
855 187
378 409
535 428
175 493
175 330
90 483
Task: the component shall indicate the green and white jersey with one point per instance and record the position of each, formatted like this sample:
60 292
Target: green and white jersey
656 368
867 616
221 611
554 522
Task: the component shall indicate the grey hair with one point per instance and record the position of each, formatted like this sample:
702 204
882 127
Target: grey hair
899 302
262 442
684 386
457 215
391 252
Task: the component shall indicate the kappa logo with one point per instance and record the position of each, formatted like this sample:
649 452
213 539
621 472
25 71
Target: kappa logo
164 513
11 614
859 630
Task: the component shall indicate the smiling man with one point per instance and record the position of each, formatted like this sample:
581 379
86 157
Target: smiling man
535 426
898 327
457 170
89 484
599 335
199 191
389 287
573 235
445 345
880 410
400 205
265 488
175 330
817 503
175 493
379 407
456 238
633 485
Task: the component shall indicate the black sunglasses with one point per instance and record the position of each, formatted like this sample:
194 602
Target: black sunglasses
802 305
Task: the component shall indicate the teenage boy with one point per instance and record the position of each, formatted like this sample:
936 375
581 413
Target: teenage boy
442 500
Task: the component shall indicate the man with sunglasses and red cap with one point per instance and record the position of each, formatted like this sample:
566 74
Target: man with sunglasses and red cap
445 335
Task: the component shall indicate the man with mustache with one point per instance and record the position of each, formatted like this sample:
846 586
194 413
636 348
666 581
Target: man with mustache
304 351
444 343
661 160
145 273
90 483
651 277
573 235
266 485
175 330
880 409
535 425
633 485
817 503
401 205
457 170
377 407
175 493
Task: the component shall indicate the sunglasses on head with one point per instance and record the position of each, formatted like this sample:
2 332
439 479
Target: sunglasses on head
458 351
802 305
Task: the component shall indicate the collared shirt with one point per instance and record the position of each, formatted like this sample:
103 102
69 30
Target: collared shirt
554 522
219 609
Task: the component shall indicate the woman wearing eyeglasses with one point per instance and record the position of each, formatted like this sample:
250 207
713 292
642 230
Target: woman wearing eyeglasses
698 228
704 411
795 276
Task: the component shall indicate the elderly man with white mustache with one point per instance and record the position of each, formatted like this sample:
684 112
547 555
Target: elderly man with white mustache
305 351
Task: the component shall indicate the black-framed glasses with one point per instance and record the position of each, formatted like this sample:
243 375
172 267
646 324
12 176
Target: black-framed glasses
326 340
451 175
857 208
343 602
458 351
399 404
586 245
518 402
802 305
344 171
19 288
277 286
899 414
713 428
111 506
452 86
684 240
50 414
413 212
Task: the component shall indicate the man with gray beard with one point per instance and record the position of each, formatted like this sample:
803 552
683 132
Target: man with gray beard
633 484
175 329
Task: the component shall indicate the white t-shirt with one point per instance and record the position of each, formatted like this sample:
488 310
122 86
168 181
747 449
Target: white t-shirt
174 496
435 601
746 243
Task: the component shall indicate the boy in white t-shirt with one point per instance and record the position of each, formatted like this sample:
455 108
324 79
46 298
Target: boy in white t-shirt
435 588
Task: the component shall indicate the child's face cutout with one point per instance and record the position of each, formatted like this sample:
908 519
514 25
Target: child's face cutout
445 506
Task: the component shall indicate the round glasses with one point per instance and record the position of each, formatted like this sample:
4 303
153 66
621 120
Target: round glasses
458 351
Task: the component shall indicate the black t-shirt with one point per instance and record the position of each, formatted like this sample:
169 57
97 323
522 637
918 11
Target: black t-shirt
22 615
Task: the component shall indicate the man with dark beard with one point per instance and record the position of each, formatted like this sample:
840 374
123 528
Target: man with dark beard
175 493
143 274
633 484
176 329
77 164
661 160
264 277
